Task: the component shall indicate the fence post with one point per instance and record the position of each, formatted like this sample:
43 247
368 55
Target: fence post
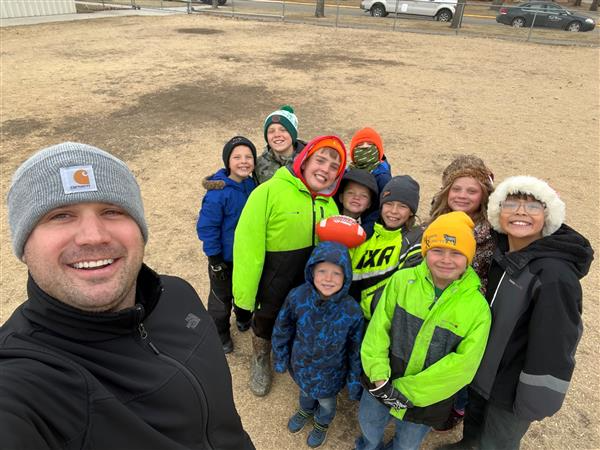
233 9
283 11
395 16
531 27
189 6
337 12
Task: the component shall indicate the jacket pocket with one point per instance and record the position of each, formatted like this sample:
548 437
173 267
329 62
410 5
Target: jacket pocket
443 342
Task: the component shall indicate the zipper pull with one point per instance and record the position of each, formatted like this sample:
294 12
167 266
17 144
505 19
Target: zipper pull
144 335
142 331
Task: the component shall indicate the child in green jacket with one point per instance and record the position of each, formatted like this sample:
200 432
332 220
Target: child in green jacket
425 339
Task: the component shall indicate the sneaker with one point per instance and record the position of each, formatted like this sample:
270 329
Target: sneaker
298 421
228 346
317 436
453 420
243 326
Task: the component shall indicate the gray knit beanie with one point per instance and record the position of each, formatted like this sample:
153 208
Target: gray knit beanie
402 188
66 174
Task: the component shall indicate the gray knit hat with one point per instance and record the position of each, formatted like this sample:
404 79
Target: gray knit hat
402 188
66 174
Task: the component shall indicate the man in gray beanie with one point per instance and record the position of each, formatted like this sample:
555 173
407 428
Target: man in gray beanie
105 353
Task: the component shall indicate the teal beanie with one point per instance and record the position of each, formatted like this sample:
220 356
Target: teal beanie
286 117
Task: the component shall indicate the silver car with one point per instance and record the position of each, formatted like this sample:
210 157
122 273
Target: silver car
441 10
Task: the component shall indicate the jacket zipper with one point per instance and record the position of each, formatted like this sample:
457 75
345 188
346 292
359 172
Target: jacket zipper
314 214
497 288
186 372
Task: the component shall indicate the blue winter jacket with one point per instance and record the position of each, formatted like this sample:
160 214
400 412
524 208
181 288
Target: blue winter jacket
383 174
220 212
317 339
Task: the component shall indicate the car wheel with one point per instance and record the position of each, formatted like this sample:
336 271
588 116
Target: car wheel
378 10
445 15
518 22
574 27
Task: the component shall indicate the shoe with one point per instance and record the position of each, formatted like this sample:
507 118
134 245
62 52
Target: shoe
228 346
453 420
317 436
260 367
243 326
299 420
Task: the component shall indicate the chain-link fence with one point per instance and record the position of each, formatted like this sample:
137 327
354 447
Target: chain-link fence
546 22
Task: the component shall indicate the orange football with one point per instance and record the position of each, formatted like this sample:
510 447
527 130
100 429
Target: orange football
342 229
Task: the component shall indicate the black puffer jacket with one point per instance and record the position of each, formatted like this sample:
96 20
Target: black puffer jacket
536 302
149 377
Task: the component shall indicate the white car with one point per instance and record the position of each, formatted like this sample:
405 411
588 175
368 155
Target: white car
441 10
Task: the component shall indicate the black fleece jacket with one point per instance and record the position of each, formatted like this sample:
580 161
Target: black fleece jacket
536 300
149 377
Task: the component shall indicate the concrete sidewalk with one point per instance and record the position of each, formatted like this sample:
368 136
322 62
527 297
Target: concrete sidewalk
116 12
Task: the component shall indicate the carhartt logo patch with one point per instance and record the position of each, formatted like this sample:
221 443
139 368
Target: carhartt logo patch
192 320
78 179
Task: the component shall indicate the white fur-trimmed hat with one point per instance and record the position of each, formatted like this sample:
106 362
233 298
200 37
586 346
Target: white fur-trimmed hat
554 213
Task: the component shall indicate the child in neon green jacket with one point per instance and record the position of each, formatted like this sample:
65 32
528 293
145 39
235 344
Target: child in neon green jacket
425 339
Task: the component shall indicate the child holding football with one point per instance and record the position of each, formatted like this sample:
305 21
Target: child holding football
395 243
275 237
317 338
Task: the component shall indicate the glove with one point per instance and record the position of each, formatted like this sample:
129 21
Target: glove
219 271
390 396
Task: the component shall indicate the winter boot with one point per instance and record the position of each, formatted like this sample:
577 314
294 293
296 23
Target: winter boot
260 369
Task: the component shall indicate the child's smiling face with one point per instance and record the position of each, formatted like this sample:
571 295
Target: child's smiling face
328 278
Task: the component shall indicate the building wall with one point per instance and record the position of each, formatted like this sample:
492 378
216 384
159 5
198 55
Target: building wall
29 8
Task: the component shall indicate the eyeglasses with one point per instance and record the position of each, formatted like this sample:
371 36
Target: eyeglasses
530 207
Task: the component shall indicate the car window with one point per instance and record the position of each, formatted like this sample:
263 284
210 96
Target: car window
534 7
554 8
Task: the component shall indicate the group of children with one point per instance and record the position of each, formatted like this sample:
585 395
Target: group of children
413 315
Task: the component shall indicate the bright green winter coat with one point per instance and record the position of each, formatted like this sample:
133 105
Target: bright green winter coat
429 347
274 238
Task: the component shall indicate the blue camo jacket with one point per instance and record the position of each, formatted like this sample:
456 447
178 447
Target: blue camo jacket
220 212
318 340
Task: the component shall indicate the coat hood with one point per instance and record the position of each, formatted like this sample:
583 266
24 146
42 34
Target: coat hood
313 146
335 253
565 244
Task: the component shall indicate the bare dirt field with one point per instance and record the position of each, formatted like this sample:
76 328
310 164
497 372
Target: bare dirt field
165 93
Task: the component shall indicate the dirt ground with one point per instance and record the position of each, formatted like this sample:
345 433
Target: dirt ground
165 93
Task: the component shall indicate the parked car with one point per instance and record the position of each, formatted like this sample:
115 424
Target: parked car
441 10
547 14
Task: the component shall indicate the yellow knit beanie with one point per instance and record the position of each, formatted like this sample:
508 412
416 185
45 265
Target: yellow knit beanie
453 230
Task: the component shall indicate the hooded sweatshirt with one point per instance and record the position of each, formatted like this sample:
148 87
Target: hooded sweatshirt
318 339
220 212
275 236
536 301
